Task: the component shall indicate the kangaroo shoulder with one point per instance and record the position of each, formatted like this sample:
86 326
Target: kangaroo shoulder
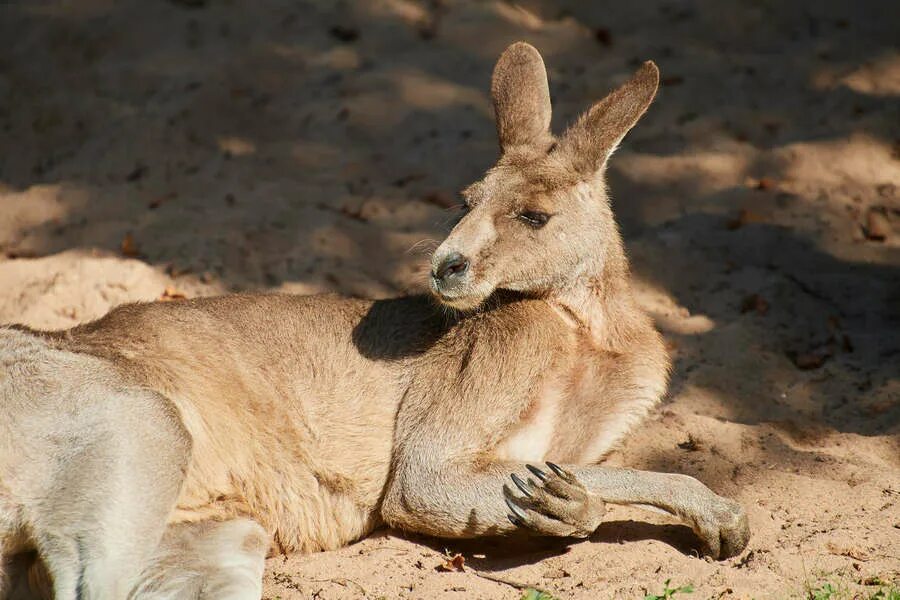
523 332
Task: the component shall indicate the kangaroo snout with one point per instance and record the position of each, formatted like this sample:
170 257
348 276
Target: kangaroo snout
448 274
449 269
454 283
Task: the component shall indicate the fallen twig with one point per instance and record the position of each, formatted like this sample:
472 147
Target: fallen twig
515 584
343 581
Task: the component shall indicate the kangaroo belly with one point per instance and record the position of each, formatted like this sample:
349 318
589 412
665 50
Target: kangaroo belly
289 407
312 478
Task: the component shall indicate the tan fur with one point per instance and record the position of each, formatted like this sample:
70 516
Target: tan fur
320 418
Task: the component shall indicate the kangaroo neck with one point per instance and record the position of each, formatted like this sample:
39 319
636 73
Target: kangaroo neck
599 304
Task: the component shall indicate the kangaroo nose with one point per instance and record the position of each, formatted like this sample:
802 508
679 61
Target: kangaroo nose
454 265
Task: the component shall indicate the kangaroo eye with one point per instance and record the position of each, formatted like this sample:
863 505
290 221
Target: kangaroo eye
533 218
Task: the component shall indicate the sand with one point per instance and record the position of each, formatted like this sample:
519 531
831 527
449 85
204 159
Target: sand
155 149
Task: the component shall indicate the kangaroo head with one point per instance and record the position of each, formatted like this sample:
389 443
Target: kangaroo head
540 220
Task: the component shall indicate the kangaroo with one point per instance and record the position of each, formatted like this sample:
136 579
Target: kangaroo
163 450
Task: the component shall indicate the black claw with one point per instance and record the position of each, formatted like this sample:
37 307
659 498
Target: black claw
567 475
521 485
515 520
515 509
537 472
557 469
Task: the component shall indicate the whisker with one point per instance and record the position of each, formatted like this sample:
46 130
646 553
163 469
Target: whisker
423 246
449 220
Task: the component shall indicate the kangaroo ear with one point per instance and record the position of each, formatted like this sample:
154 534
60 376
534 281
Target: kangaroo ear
595 136
521 97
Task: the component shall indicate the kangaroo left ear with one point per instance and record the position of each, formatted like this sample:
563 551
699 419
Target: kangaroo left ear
595 136
521 97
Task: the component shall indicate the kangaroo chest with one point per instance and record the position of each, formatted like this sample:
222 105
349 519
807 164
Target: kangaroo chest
532 439
569 418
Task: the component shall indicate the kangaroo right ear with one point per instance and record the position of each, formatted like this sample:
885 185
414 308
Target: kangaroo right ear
591 140
521 97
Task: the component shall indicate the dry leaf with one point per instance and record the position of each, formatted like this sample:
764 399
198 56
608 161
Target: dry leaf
453 563
851 551
158 201
765 184
743 218
556 573
692 444
170 294
877 225
762 184
129 246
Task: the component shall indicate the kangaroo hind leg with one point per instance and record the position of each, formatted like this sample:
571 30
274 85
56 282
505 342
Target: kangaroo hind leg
107 507
90 467
207 560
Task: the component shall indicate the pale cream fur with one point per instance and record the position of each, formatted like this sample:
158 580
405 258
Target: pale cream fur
162 450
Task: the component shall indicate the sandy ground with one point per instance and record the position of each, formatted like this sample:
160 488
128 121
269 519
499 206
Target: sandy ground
206 146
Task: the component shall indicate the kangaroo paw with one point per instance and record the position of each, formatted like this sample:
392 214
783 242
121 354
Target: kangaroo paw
722 525
557 504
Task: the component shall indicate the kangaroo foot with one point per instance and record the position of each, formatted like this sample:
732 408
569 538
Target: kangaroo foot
556 504
720 523
722 526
